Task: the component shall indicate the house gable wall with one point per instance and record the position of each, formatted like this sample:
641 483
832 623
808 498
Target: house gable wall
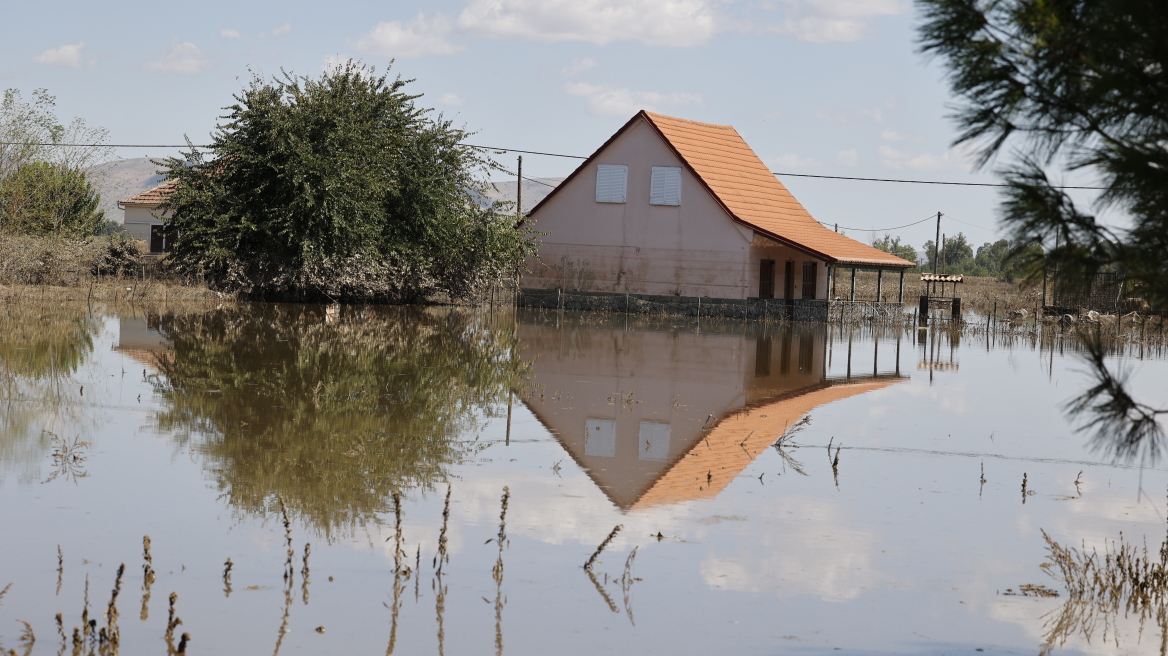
693 249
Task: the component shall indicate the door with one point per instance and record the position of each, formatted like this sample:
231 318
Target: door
157 238
809 274
766 279
789 280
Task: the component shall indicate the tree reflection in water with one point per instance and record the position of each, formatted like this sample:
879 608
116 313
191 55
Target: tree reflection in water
41 347
332 408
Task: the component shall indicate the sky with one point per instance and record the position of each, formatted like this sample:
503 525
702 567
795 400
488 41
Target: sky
824 87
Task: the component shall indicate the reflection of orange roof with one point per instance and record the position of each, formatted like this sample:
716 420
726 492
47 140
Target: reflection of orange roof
735 441
149 357
748 191
150 197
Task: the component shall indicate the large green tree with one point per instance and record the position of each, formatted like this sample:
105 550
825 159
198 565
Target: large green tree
1080 85
339 188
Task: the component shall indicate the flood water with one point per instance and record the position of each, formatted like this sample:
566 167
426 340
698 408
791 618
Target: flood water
197 428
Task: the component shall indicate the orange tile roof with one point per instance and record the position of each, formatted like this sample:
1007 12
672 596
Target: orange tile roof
735 441
748 191
151 197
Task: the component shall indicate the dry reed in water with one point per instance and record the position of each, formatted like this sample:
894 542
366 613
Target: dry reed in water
441 557
304 580
227 565
592 559
113 634
147 577
497 572
60 569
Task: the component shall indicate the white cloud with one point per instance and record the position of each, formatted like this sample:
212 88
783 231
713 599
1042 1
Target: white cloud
68 56
679 23
283 29
609 100
903 159
791 161
847 158
419 37
827 21
451 99
579 65
228 33
183 57
888 134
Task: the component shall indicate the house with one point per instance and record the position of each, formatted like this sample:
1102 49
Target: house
142 221
656 416
669 206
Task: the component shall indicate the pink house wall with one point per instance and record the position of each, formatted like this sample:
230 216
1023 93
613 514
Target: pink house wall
694 249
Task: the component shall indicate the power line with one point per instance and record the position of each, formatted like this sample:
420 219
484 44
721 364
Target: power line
536 152
929 182
928 218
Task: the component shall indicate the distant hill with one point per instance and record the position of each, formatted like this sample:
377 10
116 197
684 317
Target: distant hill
121 179
125 177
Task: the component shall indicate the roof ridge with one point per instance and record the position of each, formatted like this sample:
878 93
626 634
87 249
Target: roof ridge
690 121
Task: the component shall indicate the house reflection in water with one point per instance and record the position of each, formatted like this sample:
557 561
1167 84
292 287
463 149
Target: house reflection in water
141 338
660 413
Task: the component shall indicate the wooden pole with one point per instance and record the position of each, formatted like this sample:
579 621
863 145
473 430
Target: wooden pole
852 297
519 189
937 243
900 294
879 285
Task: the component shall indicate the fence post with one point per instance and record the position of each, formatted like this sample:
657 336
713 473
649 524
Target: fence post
923 314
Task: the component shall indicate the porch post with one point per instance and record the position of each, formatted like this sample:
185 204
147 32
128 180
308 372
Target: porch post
830 278
900 295
879 285
852 297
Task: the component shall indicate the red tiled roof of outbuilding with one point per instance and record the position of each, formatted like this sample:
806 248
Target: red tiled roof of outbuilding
151 197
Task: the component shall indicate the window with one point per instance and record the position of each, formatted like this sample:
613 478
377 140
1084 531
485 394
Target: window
611 181
665 186
600 438
654 441
161 239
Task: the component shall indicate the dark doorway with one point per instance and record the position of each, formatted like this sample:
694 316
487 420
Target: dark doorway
766 279
810 270
161 240
788 280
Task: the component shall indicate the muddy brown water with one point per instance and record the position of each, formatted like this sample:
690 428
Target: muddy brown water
197 429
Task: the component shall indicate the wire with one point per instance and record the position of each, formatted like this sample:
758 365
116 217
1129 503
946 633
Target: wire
526 152
536 152
929 182
928 218
970 224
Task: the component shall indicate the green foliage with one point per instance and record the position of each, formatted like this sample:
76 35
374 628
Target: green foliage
43 199
332 408
1080 84
890 244
339 188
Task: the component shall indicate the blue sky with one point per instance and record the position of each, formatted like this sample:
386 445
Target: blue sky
829 87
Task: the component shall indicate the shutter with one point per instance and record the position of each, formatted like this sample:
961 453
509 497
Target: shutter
611 182
665 186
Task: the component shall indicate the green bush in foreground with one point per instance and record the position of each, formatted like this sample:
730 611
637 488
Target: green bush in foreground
339 188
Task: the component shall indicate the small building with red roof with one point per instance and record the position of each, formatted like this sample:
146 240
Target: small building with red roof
669 206
143 221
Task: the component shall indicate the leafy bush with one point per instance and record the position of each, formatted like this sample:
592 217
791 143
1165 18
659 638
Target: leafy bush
339 188
41 198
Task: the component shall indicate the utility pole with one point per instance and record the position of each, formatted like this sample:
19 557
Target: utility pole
519 189
937 242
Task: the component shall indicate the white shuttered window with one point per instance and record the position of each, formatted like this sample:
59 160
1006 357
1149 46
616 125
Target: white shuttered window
665 187
611 181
